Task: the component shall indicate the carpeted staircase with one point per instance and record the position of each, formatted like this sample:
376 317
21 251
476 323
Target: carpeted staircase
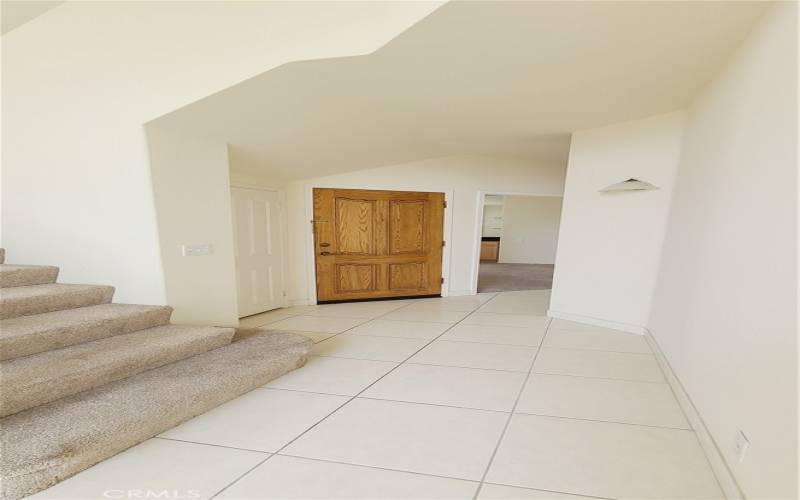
82 379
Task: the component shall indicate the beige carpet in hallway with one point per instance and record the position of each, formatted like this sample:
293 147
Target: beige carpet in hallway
496 277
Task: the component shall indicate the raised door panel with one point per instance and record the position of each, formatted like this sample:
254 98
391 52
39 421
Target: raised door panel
355 226
356 277
408 276
408 231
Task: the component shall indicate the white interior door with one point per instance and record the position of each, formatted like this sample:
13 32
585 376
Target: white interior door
259 249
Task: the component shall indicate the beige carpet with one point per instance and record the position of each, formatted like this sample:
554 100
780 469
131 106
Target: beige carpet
494 277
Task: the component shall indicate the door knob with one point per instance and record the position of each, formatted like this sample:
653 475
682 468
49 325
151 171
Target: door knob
326 253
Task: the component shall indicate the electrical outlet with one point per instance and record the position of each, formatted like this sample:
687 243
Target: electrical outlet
741 445
195 250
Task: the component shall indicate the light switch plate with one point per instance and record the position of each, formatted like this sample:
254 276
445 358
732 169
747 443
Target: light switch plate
195 250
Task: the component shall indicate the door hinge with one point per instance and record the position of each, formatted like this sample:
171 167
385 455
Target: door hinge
444 204
442 281
444 243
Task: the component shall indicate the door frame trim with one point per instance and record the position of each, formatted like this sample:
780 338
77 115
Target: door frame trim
476 249
284 233
311 268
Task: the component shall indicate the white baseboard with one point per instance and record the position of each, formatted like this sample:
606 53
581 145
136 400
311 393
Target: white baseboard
720 467
614 325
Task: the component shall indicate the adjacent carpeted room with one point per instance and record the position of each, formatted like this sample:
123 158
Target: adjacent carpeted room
497 277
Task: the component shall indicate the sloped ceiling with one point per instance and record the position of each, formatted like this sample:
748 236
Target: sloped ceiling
15 13
499 78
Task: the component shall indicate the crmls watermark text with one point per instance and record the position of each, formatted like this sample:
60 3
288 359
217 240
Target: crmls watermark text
165 494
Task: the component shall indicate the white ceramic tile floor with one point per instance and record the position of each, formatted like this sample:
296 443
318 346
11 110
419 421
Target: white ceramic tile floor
502 492
435 440
450 386
284 477
315 337
602 459
258 320
475 355
597 340
484 334
499 319
241 423
397 328
316 324
599 364
368 347
157 466
367 310
645 403
428 398
431 314
340 376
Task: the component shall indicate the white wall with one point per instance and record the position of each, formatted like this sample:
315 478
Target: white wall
530 229
609 244
81 80
492 220
464 175
193 206
724 311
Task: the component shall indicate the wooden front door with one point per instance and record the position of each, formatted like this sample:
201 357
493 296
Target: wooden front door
373 244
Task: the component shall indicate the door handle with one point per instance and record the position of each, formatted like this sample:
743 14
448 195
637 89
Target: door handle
326 254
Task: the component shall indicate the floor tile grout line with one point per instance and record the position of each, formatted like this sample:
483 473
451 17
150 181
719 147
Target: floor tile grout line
510 417
599 378
549 491
516 412
373 398
429 364
214 445
449 339
335 409
597 350
684 429
426 474
508 313
472 367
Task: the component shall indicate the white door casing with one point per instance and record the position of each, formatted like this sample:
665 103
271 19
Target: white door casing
258 248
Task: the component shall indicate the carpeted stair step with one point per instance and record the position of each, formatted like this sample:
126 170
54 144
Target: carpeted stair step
26 335
37 299
49 443
13 275
41 378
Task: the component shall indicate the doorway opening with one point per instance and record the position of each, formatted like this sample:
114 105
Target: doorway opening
517 242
